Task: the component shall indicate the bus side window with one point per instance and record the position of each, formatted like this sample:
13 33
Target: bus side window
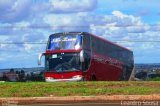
86 42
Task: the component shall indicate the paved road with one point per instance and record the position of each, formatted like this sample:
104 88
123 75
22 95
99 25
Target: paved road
89 103
75 104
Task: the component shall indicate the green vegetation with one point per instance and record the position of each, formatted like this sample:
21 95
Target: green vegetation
154 79
37 89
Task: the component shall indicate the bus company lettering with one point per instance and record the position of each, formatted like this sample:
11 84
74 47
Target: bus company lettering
63 40
108 60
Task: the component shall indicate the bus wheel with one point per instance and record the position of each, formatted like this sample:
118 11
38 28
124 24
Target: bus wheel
94 78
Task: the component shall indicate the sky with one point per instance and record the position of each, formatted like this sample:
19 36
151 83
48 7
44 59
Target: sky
134 24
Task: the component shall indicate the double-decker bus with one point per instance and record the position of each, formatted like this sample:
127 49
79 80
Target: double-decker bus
81 56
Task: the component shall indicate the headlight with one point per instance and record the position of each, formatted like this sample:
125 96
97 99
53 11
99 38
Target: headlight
78 77
49 78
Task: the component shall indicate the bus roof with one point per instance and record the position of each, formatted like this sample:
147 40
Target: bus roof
93 36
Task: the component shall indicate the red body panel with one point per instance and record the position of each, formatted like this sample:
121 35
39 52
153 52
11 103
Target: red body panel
104 68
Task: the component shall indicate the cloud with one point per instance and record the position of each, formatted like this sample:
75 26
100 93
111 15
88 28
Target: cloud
155 28
19 10
138 28
13 11
72 6
66 23
126 20
5 29
5 5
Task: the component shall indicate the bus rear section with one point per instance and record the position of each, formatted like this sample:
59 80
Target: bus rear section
110 62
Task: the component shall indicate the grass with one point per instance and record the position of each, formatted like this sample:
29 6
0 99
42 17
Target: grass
38 89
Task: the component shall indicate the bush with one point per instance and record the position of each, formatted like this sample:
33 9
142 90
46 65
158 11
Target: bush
154 79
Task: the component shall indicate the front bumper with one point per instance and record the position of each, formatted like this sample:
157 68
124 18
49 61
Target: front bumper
74 79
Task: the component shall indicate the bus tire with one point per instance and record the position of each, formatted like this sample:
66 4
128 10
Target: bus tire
94 78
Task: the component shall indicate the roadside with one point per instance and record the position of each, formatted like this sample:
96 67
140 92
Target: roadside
109 99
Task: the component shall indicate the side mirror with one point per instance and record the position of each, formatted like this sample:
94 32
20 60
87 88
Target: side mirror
39 58
82 56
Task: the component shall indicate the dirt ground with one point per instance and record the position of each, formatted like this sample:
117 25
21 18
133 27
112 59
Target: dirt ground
82 99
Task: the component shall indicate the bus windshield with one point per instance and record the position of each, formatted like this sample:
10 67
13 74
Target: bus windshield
64 42
62 62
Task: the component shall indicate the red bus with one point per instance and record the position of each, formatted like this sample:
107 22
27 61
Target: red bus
81 56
